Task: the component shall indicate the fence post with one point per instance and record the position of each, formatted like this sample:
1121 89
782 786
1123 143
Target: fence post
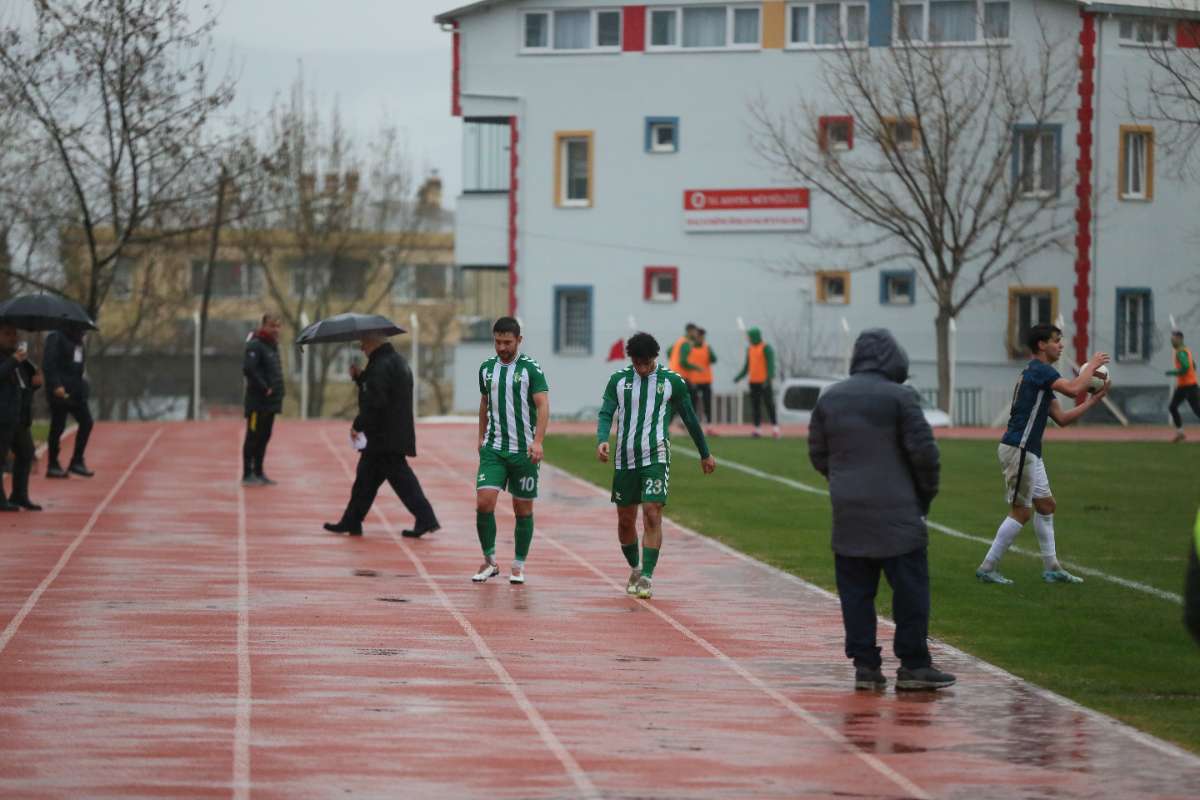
196 354
305 362
415 331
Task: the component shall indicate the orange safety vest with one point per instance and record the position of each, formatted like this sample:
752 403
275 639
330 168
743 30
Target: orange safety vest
701 358
757 356
676 365
1188 378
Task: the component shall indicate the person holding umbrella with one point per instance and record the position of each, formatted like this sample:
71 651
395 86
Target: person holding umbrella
67 393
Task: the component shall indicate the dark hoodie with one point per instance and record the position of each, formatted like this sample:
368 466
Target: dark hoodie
263 371
869 437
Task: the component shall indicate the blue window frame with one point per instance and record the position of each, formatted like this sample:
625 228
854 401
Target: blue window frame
1037 160
1135 324
573 320
662 134
898 287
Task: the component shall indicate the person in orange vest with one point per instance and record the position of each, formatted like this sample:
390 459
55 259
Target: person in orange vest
677 354
698 357
1185 384
760 366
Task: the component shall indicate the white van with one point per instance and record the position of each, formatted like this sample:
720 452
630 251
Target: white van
798 397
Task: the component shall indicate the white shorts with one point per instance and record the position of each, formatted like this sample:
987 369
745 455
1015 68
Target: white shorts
1025 479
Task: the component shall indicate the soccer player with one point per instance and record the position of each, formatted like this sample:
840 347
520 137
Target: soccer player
1185 384
644 397
514 409
1020 451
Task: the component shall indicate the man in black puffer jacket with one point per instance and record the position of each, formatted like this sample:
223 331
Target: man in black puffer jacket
67 393
385 418
11 361
264 397
869 437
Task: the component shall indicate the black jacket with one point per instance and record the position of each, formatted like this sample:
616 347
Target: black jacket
869 437
27 370
10 392
63 369
385 412
1191 591
262 368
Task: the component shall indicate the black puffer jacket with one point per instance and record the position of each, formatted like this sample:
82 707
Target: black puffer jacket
869 437
10 393
263 371
385 412
63 369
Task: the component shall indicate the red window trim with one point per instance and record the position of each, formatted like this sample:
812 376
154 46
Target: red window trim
633 35
648 281
823 126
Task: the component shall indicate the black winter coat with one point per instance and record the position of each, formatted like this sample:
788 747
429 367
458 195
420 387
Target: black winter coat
62 369
869 437
263 370
27 370
10 393
385 412
1191 591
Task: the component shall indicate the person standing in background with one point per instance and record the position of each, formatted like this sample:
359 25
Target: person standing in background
11 359
699 356
760 367
264 397
1185 384
22 445
67 394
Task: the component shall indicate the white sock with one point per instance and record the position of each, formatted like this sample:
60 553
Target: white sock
1043 528
1005 535
518 564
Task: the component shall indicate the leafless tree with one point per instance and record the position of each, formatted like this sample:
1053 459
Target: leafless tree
940 176
1169 93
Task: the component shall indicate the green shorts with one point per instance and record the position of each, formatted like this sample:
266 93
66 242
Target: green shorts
512 471
641 485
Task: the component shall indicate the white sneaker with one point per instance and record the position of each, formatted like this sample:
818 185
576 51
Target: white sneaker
516 574
631 584
643 589
487 570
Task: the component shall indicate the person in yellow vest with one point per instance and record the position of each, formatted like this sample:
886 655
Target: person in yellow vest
1191 592
698 357
1185 384
760 367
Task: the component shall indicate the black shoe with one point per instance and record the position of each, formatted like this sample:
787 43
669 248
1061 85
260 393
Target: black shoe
27 504
869 679
417 533
921 678
79 468
251 480
264 480
344 527
7 506
55 471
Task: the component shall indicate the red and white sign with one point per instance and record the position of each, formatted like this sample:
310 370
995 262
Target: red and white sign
716 210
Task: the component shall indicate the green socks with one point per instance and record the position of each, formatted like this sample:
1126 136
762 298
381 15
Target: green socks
631 553
649 560
524 536
485 526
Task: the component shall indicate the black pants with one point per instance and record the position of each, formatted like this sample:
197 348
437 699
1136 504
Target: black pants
259 425
373 470
23 450
858 582
1189 393
58 423
762 393
702 400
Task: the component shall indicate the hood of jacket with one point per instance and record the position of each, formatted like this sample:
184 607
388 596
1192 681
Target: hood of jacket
878 351
755 336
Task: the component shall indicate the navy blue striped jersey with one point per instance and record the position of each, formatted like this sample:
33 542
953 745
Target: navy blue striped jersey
1031 407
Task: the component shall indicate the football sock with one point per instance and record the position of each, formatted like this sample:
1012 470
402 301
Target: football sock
649 560
524 536
1043 527
631 553
1004 538
485 526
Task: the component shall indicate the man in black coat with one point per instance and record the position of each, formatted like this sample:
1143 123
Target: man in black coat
22 445
11 360
869 437
385 418
264 397
67 393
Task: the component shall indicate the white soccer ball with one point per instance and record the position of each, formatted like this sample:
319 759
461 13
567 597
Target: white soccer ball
1099 378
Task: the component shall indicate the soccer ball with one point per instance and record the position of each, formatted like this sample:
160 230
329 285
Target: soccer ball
1099 378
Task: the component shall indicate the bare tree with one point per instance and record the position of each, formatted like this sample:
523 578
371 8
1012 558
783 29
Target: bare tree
1169 94
942 175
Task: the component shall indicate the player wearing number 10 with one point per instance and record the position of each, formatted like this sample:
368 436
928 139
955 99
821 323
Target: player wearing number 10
643 398
514 408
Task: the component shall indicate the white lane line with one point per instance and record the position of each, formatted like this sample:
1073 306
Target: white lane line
241 724
11 630
1137 586
580 778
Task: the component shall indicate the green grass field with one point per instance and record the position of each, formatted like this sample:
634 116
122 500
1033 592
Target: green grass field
1125 509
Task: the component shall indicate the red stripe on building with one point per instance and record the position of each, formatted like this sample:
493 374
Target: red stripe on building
633 34
512 215
1083 186
455 69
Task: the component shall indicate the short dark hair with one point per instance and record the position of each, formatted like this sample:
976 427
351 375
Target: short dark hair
271 316
691 326
641 346
1178 333
507 325
1042 332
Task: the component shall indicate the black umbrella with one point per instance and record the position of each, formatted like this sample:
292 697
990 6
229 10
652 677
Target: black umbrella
44 312
347 328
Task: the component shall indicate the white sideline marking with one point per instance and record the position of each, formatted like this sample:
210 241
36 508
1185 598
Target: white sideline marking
11 630
241 724
1161 594
582 782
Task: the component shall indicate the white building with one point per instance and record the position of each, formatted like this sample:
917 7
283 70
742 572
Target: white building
596 138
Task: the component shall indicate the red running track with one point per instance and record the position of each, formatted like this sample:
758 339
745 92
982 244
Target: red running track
169 634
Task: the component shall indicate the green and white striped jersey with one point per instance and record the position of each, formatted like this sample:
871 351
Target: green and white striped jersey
512 415
643 409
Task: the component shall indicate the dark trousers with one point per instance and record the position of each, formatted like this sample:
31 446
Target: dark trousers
762 393
23 450
702 400
1189 393
58 423
858 582
373 470
259 425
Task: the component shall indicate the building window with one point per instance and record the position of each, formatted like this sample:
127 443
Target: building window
662 134
573 320
661 284
1135 163
1144 31
835 133
902 133
1135 324
486 143
412 283
833 288
121 287
1028 306
573 168
705 27
826 24
572 31
336 276
482 298
1037 154
953 21
897 288
229 279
